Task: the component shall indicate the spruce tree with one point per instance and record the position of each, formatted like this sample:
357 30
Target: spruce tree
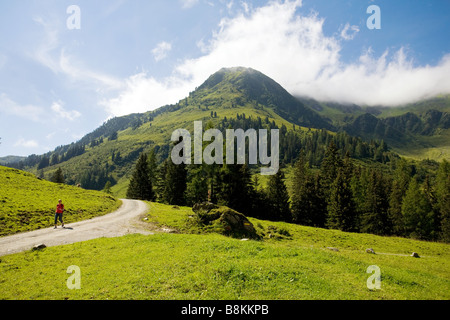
152 167
442 192
278 198
235 188
197 186
444 206
175 183
375 217
358 182
160 178
298 205
58 176
330 165
304 195
395 209
341 207
140 186
417 212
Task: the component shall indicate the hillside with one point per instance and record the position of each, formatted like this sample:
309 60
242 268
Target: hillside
109 152
239 97
418 130
28 203
295 263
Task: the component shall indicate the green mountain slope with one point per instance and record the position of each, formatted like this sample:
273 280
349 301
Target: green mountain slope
260 90
110 152
28 203
419 130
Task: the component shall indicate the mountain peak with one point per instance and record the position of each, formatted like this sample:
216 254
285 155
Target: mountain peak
227 75
262 90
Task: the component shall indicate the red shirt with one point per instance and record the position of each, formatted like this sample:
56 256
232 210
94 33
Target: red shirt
59 208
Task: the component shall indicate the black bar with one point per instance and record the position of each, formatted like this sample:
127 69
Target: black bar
226 309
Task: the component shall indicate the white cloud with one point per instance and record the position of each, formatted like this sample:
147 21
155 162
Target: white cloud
294 51
59 110
45 51
35 113
161 50
245 6
186 4
28 111
143 93
51 54
26 143
345 32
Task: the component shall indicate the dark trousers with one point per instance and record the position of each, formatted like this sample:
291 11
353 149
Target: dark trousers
58 215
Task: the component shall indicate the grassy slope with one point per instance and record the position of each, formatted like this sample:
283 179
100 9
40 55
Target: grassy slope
293 264
27 203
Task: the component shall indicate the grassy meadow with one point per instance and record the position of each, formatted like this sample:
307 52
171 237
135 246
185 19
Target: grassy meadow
28 203
289 262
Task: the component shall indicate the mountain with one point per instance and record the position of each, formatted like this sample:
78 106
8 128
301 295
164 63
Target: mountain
245 98
109 152
419 130
261 90
11 159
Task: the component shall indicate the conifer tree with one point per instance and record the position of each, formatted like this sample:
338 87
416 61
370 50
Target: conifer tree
330 165
235 188
58 176
278 198
140 186
299 204
417 212
395 209
152 167
161 181
358 183
444 205
375 217
175 183
341 207
197 187
442 191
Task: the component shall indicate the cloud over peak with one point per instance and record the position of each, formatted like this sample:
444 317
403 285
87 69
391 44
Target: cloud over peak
293 49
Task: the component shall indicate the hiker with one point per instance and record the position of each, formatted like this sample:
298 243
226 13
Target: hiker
59 213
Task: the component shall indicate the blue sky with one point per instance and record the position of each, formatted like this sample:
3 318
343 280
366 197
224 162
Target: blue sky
58 84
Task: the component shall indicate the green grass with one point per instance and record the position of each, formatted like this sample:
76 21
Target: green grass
27 203
294 263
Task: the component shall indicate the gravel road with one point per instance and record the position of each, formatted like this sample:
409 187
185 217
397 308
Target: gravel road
127 219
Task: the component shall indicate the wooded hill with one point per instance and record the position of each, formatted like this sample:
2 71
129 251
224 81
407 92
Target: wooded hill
244 98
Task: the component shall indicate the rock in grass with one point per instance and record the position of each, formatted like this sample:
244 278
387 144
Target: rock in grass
370 250
333 249
39 247
415 255
225 220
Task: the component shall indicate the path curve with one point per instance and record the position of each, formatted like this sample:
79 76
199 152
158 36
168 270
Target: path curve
123 221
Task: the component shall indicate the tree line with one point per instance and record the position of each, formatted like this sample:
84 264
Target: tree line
400 200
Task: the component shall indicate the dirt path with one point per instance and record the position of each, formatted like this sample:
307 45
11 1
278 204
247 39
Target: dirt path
118 223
